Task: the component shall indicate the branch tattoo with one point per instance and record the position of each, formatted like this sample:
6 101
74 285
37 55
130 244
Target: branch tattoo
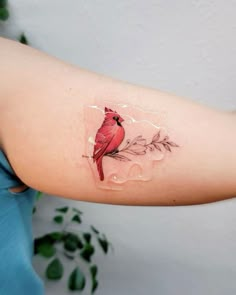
110 142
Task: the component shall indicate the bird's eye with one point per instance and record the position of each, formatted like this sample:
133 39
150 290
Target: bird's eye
116 118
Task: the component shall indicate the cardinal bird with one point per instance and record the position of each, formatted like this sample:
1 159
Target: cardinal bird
108 138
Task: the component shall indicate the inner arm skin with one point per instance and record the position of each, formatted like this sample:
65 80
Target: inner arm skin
42 132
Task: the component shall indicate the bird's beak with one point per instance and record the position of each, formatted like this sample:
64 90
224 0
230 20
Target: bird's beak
121 120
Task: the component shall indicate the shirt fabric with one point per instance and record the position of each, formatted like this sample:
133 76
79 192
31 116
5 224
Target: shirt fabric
17 275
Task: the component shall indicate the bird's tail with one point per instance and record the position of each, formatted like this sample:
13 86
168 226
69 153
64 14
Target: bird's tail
99 168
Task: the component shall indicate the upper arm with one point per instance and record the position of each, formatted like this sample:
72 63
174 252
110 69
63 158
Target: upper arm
43 133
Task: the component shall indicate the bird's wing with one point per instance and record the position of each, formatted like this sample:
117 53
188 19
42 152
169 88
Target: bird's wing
99 153
103 138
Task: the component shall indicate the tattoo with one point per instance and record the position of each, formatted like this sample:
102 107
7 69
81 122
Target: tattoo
138 146
109 142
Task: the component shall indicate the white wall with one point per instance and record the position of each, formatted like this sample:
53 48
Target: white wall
185 47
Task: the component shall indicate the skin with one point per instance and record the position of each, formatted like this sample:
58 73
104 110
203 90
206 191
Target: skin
42 132
19 189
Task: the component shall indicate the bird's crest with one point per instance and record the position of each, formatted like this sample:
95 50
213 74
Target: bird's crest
107 110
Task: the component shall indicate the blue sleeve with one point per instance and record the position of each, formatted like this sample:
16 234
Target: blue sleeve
16 248
7 176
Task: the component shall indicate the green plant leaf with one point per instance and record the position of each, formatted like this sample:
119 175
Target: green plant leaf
87 237
39 195
24 40
104 244
94 229
58 219
3 3
93 271
71 236
76 218
76 280
70 245
54 270
56 236
62 210
39 241
72 242
80 245
87 251
4 13
94 285
46 249
50 239
34 210
77 211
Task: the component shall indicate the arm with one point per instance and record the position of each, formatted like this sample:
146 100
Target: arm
43 133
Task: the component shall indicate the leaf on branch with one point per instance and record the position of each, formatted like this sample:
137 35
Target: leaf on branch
23 39
3 3
167 147
76 218
70 245
127 143
54 270
76 280
165 138
94 285
119 157
94 229
87 252
136 152
62 210
58 219
157 146
80 244
171 143
156 137
141 141
45 249
39 195
138 148
87 237
56 236
4 14
72 242
138 140
104 244
151 147
93 271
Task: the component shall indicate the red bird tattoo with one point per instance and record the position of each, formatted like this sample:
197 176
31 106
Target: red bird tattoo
108 138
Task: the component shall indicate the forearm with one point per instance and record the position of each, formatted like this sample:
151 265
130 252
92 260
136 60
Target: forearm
43 132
